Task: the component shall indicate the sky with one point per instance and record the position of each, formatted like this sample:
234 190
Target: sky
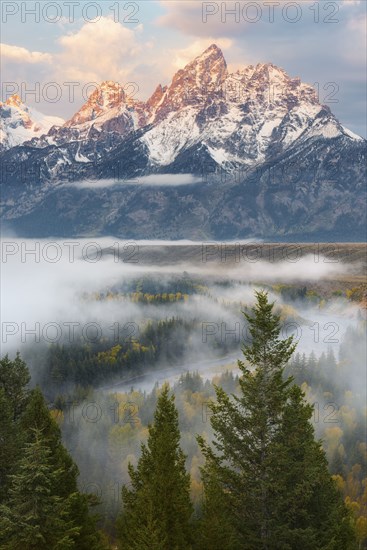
55 53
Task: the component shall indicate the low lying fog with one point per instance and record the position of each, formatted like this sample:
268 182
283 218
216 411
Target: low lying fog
159 180
49 287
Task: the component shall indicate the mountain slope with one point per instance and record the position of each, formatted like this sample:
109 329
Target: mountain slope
269 161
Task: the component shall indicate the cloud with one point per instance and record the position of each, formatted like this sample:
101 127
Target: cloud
22 70
105 50
230 18
221 18
16 54
180 15
355 50
161 180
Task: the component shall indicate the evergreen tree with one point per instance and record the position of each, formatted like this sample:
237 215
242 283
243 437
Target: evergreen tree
34 516
303 364
216 529
312 368
9 444
310 512
157 508
296 363
331 361
14 378
37 416
23 413
272 474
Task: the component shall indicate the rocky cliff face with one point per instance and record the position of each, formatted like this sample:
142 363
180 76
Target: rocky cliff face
268 158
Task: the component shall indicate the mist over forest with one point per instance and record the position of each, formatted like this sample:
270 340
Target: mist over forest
102 330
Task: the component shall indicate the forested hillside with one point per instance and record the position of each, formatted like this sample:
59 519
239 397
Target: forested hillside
234 461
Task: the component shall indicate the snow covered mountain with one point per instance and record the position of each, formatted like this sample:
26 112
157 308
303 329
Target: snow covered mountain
287 160
239 118
19 123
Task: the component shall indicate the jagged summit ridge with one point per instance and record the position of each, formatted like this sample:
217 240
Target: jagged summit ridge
244 117
109 95
195 83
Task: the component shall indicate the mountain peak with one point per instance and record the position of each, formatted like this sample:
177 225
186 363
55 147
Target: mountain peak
14 101
196 82
212 50
156 97
206 73
108 95
210 61
15 111
20 123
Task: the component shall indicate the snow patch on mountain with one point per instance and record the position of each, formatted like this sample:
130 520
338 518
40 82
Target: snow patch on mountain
168 138
20 123
351 134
